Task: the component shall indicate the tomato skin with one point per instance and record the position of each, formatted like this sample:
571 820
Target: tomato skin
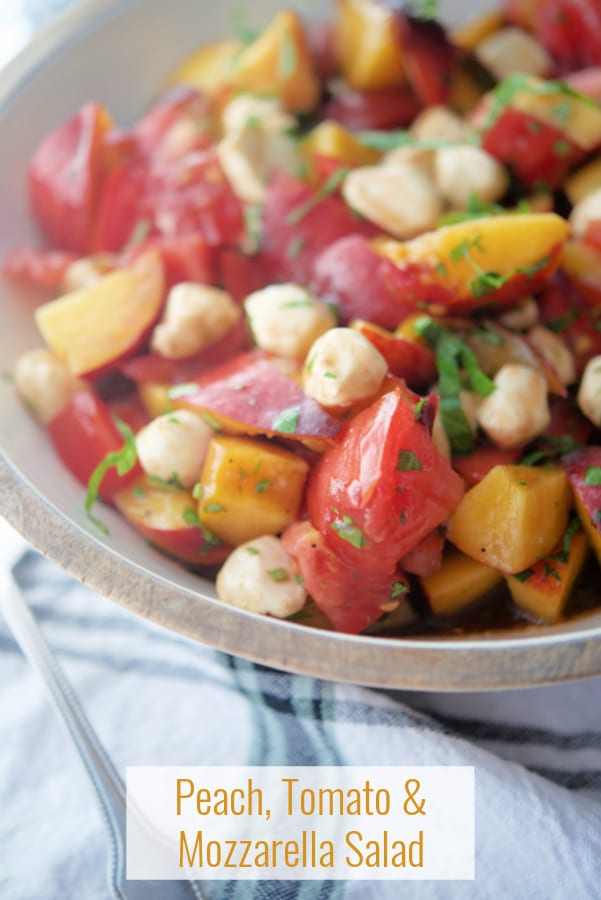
571 32
360 283
430 59
476 465
410 361
82 435
186 258
569 302
65 177
382 487
426 558
120 208
351 601
298 225
179 104
378 110
530 148
42 268
241 275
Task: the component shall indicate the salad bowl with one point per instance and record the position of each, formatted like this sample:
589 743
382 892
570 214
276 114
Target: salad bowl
121 53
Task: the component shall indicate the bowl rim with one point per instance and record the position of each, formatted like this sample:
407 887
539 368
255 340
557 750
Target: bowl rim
496 661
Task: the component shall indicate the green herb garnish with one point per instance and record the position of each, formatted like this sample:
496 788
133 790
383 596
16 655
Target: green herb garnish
122 460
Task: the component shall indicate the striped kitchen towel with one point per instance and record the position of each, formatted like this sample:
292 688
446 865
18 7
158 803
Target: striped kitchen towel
158 699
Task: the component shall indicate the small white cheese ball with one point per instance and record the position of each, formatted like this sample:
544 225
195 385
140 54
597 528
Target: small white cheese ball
250 156
522 316
286 319
259 576
512 50
174 446
518 410
252 110
195 316
399 198
555 351
589 392
585 212
418 157
342 367
440 123
463 172
45 383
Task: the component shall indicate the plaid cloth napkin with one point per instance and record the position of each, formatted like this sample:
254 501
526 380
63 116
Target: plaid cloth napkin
158 699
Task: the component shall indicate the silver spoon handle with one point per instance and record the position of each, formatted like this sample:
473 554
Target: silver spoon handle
108 785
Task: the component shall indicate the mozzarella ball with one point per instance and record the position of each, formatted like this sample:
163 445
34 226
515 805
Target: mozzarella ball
421 158
174 446
585 212
286 319
522 316
518 410
589 392
252 110
555 351
343 367
440 123
45 383
399 198
512 50
259 576
464 172
195 317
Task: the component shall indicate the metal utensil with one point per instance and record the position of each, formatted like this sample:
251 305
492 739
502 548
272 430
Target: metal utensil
108 785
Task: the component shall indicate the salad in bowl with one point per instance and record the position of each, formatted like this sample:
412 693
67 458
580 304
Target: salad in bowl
324 323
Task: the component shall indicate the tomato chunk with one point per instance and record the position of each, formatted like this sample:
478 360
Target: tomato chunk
82 434
382 487
350 600
65 178
43 268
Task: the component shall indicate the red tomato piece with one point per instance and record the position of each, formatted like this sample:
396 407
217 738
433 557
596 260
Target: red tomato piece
82 435
185 258
567 421
538 153
65 178
379 110
121 208
571 32
241 275
299 223
351 600
592 236
426 558
474 466
154 368
382 487
42 268
129 410
360 283
178 105
566 308
323 50
429 57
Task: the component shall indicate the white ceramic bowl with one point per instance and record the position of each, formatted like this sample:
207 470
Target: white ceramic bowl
120 53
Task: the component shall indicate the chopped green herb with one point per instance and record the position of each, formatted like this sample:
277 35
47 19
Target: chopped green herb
299 617
287 421
492 337
561 112
253 213
211 421
122 460
349 532
288 57
403 516
298 304
252 550
181 390
566 545
171 484
441 269
398 589
525 575
329 375
519 82
213 508
7 377
551 572
561 148
592 477
329 187
392 140
295 247
299 579
263 485
562 322
198 490
418 408
279 575
190 516
139 492
240 27
140 232
407 461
